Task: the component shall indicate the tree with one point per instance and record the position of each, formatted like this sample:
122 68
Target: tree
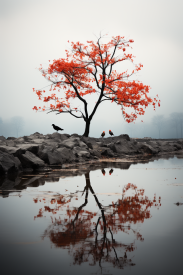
89 236
89 69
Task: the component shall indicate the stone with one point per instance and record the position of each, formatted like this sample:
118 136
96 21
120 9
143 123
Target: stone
2 138
2 143
37 150
8 163
30 160
124 137
48 156
107 152
165 146
38 140
10 143
124 147
112 147
11 138
79 152
67 154
146 148
73 142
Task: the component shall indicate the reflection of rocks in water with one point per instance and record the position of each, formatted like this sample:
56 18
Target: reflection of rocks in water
22 181
89 235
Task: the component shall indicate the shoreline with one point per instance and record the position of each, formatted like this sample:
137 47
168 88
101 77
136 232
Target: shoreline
41 153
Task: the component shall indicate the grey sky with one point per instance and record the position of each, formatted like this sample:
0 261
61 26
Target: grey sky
32 32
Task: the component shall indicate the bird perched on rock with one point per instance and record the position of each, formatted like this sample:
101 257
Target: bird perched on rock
111 133
57 128
103 134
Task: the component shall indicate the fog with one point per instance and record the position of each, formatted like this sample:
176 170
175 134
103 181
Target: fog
32 32
160 127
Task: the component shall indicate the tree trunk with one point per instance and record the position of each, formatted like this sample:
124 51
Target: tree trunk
87 128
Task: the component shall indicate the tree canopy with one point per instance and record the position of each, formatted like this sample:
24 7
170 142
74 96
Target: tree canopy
89 69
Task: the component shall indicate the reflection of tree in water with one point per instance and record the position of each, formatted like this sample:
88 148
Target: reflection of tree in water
94 242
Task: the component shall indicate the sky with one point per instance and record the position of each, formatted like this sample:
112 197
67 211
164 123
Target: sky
33 32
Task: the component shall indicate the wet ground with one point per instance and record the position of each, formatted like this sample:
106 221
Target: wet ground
111 218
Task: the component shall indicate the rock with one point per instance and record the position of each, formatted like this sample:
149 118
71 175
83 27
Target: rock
38 140
2 138
57 156
66 154
124 137
18 163
178 146
10 143
37 150
146 148
112 147
2 143
73 142
20 140
124 147
11 138
101 144
79 152
30 160
49 156
8 163
165 146
107 152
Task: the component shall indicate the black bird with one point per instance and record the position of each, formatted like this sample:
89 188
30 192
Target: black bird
111 133
103 134
57 128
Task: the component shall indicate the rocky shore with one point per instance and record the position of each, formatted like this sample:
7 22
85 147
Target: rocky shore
39 152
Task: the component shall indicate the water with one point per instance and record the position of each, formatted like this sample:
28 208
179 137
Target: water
106 221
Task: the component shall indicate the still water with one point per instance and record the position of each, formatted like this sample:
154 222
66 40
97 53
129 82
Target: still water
111 220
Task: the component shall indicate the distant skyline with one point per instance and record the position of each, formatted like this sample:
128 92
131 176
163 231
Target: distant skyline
36 31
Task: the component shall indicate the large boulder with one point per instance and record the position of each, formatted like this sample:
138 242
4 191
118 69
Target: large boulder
124 147
10 143
30 160
73 142
166 146
107 152
9 163
143 147
80 152
2 138
66 154
56 156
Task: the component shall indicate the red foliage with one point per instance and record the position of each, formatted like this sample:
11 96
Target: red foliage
89 69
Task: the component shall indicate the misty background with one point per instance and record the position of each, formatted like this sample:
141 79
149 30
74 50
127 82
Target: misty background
33 32
159 127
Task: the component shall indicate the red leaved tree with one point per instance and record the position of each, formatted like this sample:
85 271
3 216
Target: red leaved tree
89 69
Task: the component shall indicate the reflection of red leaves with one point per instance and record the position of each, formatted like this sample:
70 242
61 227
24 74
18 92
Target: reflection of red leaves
40 214
75 75
77 227
35 200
